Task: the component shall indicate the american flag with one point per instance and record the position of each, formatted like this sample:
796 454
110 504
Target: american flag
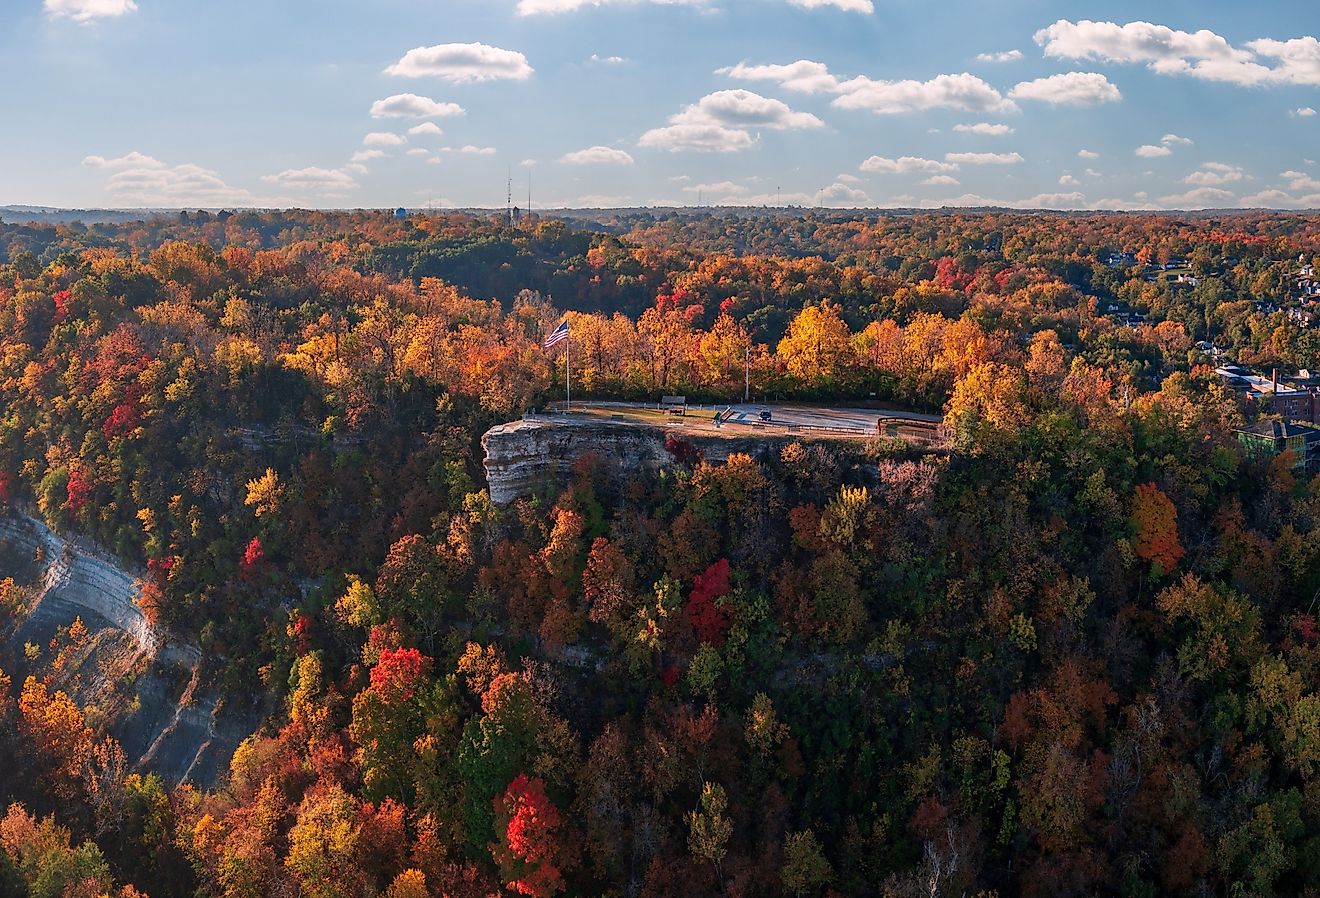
558 335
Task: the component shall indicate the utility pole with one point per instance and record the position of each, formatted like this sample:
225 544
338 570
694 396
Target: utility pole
747 373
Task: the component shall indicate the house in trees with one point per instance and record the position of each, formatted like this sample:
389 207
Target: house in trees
1272 438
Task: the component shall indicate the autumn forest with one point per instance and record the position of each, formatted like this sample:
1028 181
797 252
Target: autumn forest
1069 649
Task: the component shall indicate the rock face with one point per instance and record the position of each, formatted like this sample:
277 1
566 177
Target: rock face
531 456
147 688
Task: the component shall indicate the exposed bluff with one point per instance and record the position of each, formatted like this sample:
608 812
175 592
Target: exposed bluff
527 457
147 689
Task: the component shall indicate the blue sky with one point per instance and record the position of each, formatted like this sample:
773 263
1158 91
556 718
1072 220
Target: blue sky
337 103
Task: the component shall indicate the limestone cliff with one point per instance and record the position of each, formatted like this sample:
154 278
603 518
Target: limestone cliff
146 688
530 456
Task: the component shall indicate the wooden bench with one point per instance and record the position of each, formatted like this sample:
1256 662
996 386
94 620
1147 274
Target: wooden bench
674 405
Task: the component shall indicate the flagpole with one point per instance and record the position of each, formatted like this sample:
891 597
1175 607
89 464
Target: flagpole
568 376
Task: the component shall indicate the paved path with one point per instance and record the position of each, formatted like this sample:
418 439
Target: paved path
861 421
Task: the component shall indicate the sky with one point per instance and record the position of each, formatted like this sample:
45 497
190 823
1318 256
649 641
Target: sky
603 103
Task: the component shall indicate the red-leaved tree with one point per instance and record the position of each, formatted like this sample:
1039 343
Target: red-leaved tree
709 620
526 822
398 673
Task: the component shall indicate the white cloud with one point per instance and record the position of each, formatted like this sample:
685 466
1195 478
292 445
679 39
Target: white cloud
850 179
965 91
1092 173
1068 181
721 122
1069 88
803 76
330 182
366 155
937 180
460 63
984 128
607 60
478 151
1087 154
720 187
413 106
1200 198
905 165
426 129
527 163
705 138
598 155
845 5
1213 174
1005 56
1149 151
1202 54
744 109
1300 181
418 151
139 179
384 139
87 10
1303 112
554 7
1173 139
983 158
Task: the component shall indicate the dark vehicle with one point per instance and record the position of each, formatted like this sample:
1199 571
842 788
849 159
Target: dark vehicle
765 415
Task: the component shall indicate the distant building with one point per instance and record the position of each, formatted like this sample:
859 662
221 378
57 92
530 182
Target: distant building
1272 438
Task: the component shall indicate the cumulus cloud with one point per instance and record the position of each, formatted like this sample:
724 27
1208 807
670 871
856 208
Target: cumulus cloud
418 151
1300 181
87 10
413 106
846 5
1069 88
553 7
722 121
1200 198
905 165
426 129
804 75
1005 56
459 63
1202 54
1172 139
1213 174
720 187
384 139
607 60
478 151
366 156
329 182
938 180
984 128
1068 181
983 158
139 179
1150 151
1087 154
1304 112
965 91
745 109
598 155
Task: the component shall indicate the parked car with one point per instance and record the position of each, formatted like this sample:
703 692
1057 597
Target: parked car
765 414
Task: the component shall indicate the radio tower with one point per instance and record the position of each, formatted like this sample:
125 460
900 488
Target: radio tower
508 200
